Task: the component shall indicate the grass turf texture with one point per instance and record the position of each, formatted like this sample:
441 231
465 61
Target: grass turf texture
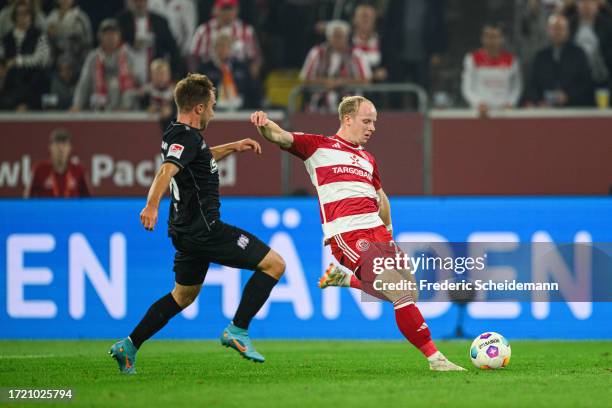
311 373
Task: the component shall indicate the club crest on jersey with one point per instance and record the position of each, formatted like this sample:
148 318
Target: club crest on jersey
362 244
243 241
355 160
213 166
175 150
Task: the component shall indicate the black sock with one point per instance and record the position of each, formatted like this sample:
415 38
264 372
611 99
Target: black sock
255 294
157 316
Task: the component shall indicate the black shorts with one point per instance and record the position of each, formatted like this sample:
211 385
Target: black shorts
224 245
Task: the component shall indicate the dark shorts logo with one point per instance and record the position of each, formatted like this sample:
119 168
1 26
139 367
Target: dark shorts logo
243 241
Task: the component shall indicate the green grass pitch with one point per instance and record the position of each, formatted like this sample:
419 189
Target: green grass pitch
339 374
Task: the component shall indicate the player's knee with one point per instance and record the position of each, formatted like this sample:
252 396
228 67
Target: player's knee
273 264
281 266
277 266
184 297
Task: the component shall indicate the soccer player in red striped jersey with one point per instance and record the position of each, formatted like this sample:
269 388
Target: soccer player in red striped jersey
354 207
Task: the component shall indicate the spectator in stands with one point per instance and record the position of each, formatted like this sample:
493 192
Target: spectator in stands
157 95
61 175
63 84
249 10
26 52
245 46
150 38
365 38
69 31
413 39
235 86
6 16
569 8
532 35
346 9
491 76
561 75
592 31
334 64
182 17
107 81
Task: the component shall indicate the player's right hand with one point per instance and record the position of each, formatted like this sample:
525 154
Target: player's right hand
148 218
259 118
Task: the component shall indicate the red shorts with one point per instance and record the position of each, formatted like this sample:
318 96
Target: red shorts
348 247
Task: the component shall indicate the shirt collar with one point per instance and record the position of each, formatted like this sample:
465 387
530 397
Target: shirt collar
346 142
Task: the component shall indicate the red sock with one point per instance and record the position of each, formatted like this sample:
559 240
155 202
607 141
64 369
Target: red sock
413 327
355 283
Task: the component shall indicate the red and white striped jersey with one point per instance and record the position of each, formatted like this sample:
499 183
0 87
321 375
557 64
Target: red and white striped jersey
494 81
370 48
323 62
244 48
346 178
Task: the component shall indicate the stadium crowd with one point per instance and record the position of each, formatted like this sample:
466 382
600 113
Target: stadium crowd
123 55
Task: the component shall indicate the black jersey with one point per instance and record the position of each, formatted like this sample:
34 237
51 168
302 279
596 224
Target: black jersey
195 188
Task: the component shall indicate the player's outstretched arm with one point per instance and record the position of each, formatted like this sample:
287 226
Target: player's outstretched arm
270 130
222 151
148 216
384 209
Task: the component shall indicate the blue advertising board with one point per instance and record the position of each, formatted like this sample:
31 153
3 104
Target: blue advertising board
87 269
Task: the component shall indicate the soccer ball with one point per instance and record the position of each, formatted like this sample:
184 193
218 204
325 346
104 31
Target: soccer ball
490 350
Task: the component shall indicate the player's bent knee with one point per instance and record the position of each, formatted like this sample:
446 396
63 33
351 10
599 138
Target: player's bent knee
185 295
273 264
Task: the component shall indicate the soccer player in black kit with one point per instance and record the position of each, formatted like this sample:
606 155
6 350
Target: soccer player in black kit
197 233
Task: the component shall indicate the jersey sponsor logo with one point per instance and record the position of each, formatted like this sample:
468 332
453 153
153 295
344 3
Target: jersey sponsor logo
243 241
164 146
213 166
352 170
175 150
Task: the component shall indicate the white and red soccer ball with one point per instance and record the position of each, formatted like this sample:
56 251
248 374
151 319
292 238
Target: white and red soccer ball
490 350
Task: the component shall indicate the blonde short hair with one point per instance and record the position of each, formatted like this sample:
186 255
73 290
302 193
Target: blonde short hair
350 105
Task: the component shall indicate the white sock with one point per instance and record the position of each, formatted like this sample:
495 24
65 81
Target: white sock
346 281
435 356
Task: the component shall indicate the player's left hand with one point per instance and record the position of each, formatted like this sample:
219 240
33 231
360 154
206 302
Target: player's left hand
248 144
148 218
